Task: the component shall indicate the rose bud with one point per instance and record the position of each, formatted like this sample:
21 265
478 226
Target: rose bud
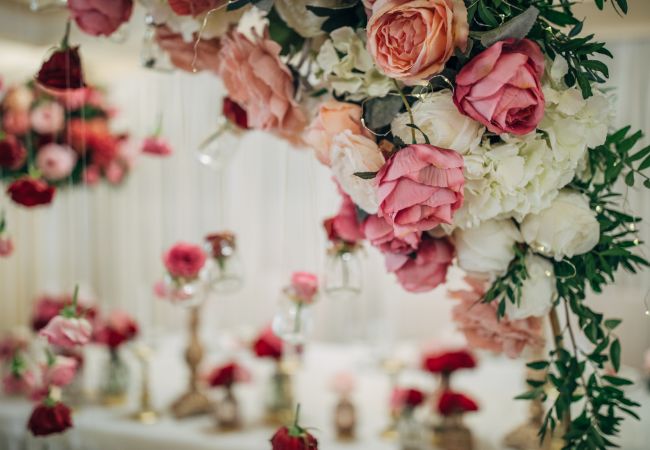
46 419
62 71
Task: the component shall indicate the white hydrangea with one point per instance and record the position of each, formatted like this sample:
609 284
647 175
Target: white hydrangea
300 19
538 291
348 67
437 116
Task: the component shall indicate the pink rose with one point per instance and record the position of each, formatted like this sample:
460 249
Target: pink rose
56 161
411 40
184 260
420 187
15 122
382 235
304 286
61 372
258 80
114 173
479 323
48 118
501 87
99 17
333 118
182 53
18 384
67 332
194 7
92 175
156 146
344 226
425 269
6 247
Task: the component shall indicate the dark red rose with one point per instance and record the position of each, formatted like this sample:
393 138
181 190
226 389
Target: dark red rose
46 420
268 345
62 71
235 113
294 439
221 243
448 362
118 328
31 192
410 398
451 402
227 375
12 153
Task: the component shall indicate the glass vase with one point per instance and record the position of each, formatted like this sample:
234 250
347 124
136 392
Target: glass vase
343 275
226 274
185 293
279 403
411 432
151 55
293 320
216 150
115 384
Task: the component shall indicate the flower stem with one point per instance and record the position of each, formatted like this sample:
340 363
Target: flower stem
65 42
559 345
296 419
75 296
408 108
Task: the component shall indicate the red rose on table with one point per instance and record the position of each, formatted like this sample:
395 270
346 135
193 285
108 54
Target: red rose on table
118 328
227 375
62 71
424 270
268 345
451 402
12 153
235 113
194 7
99 17
184 260
501 88
46 420
31 192
448 362
293 439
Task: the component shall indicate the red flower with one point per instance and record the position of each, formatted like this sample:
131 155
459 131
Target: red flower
156 146
193 7
451 402
62 71
235 113
344 226
117 329
45 309
46 420
408 398
31 192
12 153
293 439
268 345
184 260
227 375
448 362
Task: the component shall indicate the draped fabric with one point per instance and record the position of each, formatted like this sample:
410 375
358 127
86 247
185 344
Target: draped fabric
110 239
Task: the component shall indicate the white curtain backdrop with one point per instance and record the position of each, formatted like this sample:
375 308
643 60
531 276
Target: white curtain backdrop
110 239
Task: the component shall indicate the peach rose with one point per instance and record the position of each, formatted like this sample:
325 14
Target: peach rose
424 270
411 40
258 80
333 118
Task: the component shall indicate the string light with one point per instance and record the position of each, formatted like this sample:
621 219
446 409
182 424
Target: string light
599 209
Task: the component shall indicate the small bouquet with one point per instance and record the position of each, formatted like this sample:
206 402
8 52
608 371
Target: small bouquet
227 407
183 282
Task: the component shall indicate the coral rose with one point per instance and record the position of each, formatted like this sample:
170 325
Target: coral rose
424 270
67 332
31 192
258 80
55 161
420 187
333 118
501 88
184 261
411 40
99 17
46 420
12 153
382 235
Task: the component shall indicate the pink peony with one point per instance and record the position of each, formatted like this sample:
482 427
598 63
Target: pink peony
482 329
420 187
411 40
382 235
61 372
304 286
501 88
333 118
184 261
6 247
344 226
257 79
182 54
67 332
56 161
48 118
156 146
15 122
100 17
425 269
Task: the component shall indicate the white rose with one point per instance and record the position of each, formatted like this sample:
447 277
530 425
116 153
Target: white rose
566 228
300 19
537 291
437 116
488 248
353 153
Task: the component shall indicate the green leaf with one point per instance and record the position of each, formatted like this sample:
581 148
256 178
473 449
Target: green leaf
366 175
629 179
280 32
537 365
517 28
623 5
486 15
615 355
617 381
611 324
645 164
378 112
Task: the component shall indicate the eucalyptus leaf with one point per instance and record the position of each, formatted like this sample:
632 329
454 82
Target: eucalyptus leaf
379 112
365 175
517 28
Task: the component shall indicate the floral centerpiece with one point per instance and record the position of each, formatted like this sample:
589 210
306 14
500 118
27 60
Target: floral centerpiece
227 412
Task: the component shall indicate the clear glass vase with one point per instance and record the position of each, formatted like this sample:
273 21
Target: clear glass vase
411 432
225 270
343 275
216 150
185 293
293 320
279 396
115 384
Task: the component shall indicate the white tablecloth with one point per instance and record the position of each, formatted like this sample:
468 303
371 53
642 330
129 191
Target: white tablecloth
494 384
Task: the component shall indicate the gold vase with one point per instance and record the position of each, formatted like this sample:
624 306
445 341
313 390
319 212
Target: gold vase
280 405
452 434
226 411
345 419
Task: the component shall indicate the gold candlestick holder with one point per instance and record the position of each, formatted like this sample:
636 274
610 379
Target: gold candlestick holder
392 367
194 402
145 414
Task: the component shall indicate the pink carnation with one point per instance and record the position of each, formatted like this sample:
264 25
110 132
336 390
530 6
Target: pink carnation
184 261
67 332
424 270
100 17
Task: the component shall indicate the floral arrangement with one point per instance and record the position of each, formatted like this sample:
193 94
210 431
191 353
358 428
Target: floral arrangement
467 132
115 330
227 375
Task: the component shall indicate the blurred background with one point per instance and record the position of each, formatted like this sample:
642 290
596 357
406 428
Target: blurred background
110 239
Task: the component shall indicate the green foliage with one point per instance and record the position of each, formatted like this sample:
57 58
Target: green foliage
508 286
280 32
350 13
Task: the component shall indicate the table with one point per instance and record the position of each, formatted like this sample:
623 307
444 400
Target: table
494 384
